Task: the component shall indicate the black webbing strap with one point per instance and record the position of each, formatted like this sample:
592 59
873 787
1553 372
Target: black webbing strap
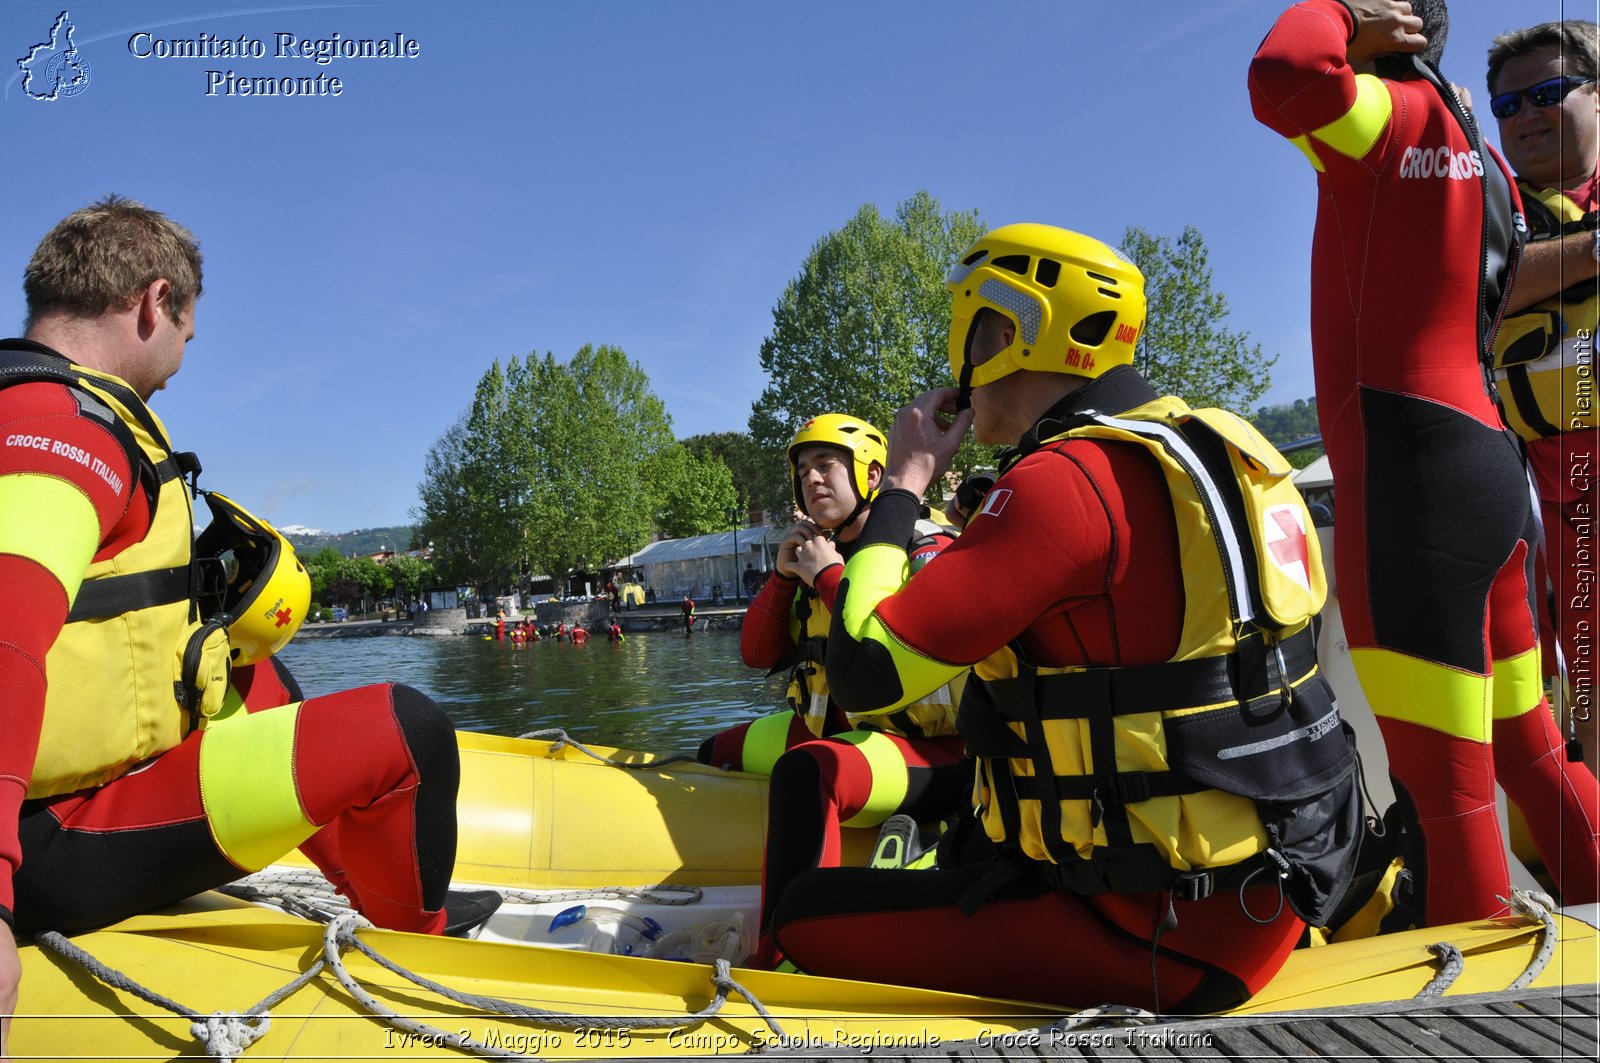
1168 686
116 595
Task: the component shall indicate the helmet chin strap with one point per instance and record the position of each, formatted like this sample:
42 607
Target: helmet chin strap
832 534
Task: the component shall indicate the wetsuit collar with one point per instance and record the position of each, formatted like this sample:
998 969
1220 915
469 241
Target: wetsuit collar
33 347
1119 390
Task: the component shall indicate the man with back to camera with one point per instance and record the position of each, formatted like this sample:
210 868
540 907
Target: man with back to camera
1542 91
1434 535
94 509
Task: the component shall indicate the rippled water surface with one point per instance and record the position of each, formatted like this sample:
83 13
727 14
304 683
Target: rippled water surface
655 691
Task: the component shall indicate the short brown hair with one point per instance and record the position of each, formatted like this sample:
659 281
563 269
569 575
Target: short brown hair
1576 40
100 258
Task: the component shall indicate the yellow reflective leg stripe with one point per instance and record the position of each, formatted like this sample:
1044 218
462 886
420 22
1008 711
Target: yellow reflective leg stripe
890 778
60 531
1518 686
1355 132
764 742
247 787
1399 687
875 573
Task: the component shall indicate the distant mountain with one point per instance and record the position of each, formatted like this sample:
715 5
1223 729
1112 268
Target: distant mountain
358 543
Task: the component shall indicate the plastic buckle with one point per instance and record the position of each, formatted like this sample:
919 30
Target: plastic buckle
1130 787
1193 885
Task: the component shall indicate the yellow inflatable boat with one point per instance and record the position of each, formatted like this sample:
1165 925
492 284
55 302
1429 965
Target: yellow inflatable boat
585 961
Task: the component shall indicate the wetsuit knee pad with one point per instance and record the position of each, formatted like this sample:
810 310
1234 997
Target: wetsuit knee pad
429 734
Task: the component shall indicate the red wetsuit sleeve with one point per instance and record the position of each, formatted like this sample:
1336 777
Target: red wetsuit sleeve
828 585
43 435
1050 560
1300 80
765 637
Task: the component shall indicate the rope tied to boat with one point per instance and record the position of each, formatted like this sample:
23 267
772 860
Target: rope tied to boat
306 893
341 933
225 1034
1451 964
1531 904
561 738
1103 1016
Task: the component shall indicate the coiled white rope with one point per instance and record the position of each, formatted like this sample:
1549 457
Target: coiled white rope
341 933
1531 905
225 1034
1451 964
1103 1016
306 893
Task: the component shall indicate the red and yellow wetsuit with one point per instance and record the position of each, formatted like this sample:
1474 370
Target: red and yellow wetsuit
1076 551
1435 531
364 781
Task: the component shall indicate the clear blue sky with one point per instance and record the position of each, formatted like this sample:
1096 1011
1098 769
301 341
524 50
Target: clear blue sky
644 174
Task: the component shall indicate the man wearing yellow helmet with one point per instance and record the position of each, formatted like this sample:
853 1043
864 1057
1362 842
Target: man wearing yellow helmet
107 603
828 768
1163 784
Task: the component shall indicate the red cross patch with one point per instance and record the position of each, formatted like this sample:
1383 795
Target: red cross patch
1286 543
284 616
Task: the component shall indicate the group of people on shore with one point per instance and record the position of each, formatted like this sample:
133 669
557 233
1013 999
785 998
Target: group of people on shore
1098 681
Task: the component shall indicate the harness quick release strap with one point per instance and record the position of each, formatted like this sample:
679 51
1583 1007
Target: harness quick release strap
1211 497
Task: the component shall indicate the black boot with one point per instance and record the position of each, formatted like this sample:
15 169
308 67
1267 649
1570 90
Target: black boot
466 910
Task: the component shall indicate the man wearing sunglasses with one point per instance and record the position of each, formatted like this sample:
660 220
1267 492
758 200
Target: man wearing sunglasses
1414 248
1543 94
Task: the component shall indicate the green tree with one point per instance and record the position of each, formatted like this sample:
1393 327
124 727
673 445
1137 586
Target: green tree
553 467
699 497
861 329
411 575
323 568
1289 423
1186 348
739 453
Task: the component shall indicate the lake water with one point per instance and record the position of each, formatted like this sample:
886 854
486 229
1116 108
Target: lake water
662 692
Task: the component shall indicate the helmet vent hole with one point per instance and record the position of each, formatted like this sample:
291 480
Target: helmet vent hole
975 257
1017 264
1101 277
1091 331
1047 272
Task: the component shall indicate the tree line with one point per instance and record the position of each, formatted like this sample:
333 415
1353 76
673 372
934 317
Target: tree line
564 465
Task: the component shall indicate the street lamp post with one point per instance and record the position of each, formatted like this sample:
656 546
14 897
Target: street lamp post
738 582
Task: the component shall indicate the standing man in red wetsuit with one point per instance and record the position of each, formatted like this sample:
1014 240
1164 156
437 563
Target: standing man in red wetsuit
1435 535
1543 92
1136 590
94 509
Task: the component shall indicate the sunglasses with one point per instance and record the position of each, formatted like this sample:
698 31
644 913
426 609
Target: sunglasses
1544 94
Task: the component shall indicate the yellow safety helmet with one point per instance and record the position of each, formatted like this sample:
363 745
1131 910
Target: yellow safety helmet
865 443
1076 303
252 579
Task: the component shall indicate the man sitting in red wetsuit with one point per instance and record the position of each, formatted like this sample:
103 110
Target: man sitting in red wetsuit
1143 702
